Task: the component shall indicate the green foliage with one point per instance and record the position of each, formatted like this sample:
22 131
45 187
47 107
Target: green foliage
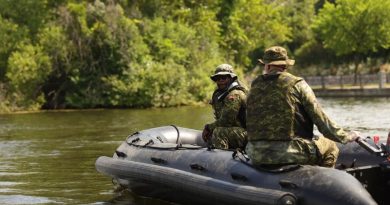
173 9
55 43
30 14
105 42
155 84
10 34
182 59
145 53
29 67
353 29
168 40
299 15
195 47
253 24
5 104
353 26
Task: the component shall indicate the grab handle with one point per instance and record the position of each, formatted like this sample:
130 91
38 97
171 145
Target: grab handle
197 167
158 160
239 177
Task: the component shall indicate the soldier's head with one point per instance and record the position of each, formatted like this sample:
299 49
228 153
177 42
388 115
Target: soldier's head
276 58
223 75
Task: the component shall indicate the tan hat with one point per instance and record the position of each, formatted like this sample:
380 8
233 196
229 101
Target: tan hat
223 69
276 55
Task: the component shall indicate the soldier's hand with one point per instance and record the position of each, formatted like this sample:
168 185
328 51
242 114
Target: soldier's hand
206 134
354 135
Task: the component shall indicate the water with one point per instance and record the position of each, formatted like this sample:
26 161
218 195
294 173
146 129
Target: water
48 157
370 116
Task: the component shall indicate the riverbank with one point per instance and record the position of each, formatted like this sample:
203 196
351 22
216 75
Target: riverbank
352 92
363 85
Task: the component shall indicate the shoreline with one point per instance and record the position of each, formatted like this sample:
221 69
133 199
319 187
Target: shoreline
64 110
352 92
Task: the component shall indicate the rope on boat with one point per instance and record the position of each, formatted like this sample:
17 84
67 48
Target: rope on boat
178 133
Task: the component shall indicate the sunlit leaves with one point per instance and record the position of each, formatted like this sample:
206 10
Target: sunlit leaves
10 34
28 70
143 53
253 24
31 14
354 26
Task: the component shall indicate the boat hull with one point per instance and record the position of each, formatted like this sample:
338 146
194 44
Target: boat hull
172 163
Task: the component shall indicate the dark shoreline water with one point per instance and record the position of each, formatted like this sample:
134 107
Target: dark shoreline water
48 157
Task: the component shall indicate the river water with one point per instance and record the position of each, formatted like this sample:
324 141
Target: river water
48 157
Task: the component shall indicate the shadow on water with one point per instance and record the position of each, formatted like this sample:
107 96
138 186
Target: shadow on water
49 157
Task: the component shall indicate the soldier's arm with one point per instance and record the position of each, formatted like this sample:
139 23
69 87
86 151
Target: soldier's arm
325 125
232 104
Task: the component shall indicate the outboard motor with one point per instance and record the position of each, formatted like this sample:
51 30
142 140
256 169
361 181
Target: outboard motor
375 177
386 147
385 165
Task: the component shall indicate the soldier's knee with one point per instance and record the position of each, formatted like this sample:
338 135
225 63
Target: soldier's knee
334 149
329 158
218 139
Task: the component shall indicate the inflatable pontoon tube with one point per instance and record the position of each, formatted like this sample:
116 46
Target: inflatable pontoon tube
204 186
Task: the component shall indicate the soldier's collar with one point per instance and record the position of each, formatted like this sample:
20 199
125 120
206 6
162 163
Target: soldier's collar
271 76
224 93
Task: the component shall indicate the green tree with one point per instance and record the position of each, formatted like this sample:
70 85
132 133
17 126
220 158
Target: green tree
299 15
252 25
354 27
103 43
55 43
172 9
111 59
11 35
154 84
31 14
29 67
193 48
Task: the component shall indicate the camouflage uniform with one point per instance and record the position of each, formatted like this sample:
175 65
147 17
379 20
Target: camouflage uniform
281 112
228 131
229 107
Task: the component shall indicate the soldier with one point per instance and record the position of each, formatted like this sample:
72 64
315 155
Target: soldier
229 104
281 112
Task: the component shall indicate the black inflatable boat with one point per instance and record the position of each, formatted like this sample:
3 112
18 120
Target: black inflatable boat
174 164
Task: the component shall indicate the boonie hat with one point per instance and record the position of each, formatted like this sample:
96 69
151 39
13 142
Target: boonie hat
223 69
276 55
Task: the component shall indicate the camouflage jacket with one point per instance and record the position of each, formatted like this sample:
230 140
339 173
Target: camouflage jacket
304 111
229 108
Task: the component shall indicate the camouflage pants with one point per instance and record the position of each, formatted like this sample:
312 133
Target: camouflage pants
328 152
321 151
229 137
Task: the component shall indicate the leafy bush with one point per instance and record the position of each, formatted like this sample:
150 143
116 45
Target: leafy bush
28 69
